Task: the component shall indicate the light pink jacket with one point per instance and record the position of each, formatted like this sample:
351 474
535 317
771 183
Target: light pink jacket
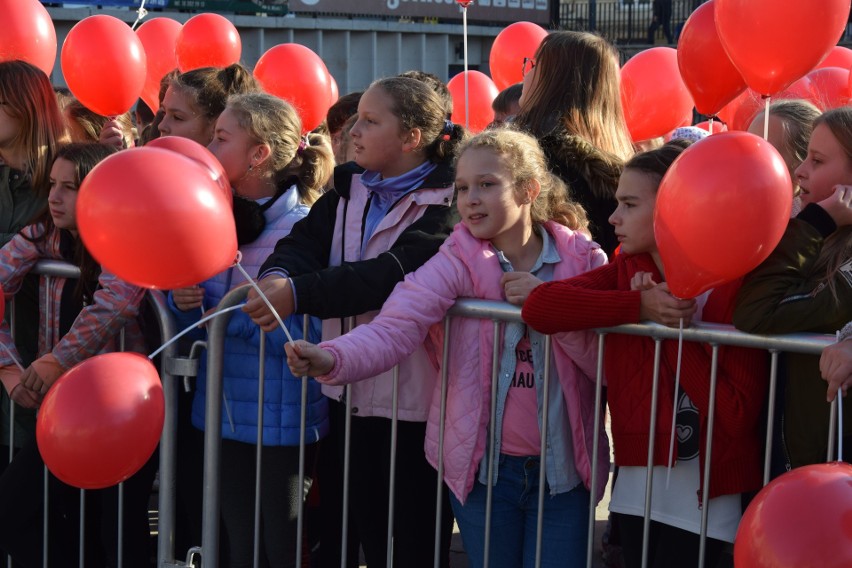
468 267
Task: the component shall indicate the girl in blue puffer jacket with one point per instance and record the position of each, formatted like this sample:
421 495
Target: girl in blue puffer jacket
275 174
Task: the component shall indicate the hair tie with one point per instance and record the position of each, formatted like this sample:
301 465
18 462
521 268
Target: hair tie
448 127
303 143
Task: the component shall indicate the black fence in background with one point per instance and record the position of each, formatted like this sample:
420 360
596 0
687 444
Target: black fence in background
622 21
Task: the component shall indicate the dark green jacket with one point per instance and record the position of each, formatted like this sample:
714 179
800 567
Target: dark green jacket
18 203
782 295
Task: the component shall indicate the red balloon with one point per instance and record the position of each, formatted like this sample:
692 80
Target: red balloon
481 93
335 91
102 420
296 74
207 40
774 42
158 37
711 78
830 87
654 97
28 34
201 155
511 45
103 63
156 219
802 518
706 237
839 56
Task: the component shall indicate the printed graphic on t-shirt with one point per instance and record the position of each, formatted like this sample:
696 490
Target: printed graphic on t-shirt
687 424
521 435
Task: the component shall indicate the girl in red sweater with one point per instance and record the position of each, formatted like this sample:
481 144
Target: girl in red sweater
632 289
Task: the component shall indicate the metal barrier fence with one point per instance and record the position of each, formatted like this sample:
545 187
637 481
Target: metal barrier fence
173 367
714 334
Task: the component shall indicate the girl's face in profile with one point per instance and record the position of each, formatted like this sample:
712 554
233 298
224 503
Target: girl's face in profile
826 165
490 206
235 149
62 199
377 136
633 219
182 119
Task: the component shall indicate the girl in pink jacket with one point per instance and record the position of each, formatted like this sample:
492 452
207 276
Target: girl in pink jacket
518 229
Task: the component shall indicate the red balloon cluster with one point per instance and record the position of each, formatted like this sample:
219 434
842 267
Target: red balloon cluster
481 92
207 40
514 43
654 97
802 518
839 56
102 420
28 34
156 219
159 38
296 74
705 234
104 64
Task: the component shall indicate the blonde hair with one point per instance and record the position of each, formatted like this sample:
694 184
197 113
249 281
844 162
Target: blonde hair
837 248
577 88
28 97
797 122
272 121
526 161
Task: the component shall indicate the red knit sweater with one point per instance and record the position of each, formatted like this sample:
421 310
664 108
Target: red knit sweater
602 298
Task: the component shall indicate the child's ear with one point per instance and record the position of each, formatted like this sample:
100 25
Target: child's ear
260 154
411 141
533 189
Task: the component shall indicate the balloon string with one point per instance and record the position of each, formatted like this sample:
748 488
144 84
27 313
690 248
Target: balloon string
141 13
674 409
838 398
14 359
189 328
766 119
466 96
264 298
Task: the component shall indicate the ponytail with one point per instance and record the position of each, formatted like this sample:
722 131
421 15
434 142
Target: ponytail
312 165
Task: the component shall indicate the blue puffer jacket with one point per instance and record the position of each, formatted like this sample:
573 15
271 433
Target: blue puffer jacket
282 395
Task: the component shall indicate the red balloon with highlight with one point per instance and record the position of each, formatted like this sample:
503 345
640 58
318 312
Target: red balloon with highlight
159 38
481 93
28 34
802 518
207 40
514 43
706 237
201 155
104 64
102 420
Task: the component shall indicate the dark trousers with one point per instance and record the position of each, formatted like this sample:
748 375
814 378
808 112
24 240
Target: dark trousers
280 500
416 486
655 25
22 506
668 546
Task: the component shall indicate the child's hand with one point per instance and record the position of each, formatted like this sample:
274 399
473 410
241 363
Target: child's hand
835 365
517 286
660 306
305 358
280 294
839 205
25 397
188 298
112 135
642 281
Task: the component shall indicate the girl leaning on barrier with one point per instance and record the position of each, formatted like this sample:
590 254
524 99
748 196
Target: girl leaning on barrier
806 286
85 318
632 289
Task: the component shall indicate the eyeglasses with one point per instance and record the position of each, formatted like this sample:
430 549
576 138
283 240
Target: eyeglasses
529 65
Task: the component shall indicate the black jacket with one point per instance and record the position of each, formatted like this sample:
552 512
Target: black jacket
356 287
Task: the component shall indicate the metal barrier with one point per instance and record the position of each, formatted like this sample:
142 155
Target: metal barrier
713 334
51 269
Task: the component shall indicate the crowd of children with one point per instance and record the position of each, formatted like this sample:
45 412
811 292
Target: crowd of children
374 225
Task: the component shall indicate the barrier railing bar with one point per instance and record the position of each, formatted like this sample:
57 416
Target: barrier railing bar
542 477
258 474
708 456
492 439
770 414
593 497
649 469
445 358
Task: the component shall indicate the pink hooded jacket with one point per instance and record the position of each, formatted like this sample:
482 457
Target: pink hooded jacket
468 267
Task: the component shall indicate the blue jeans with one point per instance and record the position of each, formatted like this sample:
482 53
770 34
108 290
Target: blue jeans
514 517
